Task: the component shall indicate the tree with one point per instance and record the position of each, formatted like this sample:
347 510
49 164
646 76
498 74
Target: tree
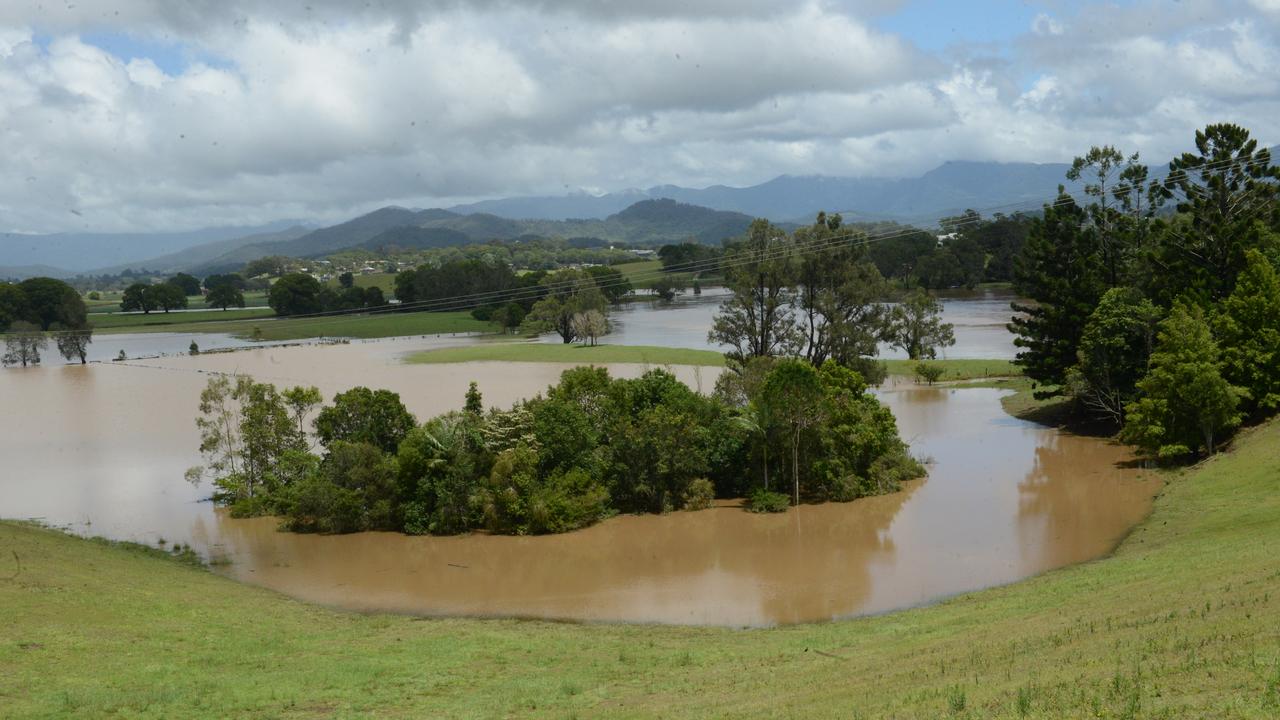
23 343
668 286
756 320
232 279
916 327
611 282
1184 403
1111 176
589 325
224 295
295 294
362 415
301 401
347 280
1114 350
13 305
1247 326
137 297
1225 190
73 343
50 301
272 265
837 295
167 296
569 292
508 317
792 396
1061 270
474 402
188 284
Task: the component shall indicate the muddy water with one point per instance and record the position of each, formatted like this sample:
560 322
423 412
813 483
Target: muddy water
101 449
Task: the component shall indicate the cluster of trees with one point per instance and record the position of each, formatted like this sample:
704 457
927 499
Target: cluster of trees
35 309
1167 325
971 250
816 295
302 294
592 446
164 296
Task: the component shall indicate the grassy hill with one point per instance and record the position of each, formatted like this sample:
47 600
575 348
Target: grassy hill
1182 621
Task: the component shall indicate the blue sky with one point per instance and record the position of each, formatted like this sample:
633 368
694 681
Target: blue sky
936 25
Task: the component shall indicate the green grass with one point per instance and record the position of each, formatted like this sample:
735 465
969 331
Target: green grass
958 369
1182 621
355 326
642 274
561 353
163 322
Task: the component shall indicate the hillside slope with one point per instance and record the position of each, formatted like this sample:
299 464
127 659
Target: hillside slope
1183 621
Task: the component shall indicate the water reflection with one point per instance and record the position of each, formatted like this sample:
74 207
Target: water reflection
979 318
102 449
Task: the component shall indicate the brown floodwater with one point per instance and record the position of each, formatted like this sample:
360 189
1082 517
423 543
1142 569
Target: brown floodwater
101 450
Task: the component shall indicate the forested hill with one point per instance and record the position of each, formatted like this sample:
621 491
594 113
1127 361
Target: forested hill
646 222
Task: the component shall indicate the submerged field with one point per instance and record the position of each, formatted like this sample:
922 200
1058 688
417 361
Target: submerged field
1180 622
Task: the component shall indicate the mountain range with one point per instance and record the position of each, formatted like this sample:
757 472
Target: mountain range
659 214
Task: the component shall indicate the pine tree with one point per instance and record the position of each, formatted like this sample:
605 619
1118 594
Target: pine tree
1060 269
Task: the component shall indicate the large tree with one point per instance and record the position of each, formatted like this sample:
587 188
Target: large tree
1114 182
295 294
757 319
1061 271
224 295
168 296
189 284
1247 326
361 415
837 294
916 327
568 293
1114 349
792 396
1184 403
138 297
13 305
1228 190
50 301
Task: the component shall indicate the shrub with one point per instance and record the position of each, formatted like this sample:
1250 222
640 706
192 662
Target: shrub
928 372
762 501
698 495
889 470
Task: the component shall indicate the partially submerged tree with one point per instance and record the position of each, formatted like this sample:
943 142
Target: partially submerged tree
23 343
757 320
73 343
916 327
792 396
590 325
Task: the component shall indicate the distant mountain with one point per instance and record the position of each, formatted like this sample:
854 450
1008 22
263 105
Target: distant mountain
22 272
948 189
81 252
198 257
645 222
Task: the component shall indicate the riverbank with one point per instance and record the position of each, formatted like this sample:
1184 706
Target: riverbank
1182 620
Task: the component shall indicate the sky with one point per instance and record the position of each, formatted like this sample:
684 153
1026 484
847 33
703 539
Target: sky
136 115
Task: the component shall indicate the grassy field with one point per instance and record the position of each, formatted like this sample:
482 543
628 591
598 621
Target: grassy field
958 369
116 322
355 326
1180 622
561 353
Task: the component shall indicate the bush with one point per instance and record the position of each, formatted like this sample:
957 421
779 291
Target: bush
928 372
698 495
889 471
763 501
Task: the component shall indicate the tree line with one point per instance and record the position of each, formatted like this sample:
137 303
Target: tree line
590 447
1156 300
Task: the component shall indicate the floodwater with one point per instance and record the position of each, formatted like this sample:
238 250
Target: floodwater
979 318
101 449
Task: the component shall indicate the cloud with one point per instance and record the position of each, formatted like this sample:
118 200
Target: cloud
313 110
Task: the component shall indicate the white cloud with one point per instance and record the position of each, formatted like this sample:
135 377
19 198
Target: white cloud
321 113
